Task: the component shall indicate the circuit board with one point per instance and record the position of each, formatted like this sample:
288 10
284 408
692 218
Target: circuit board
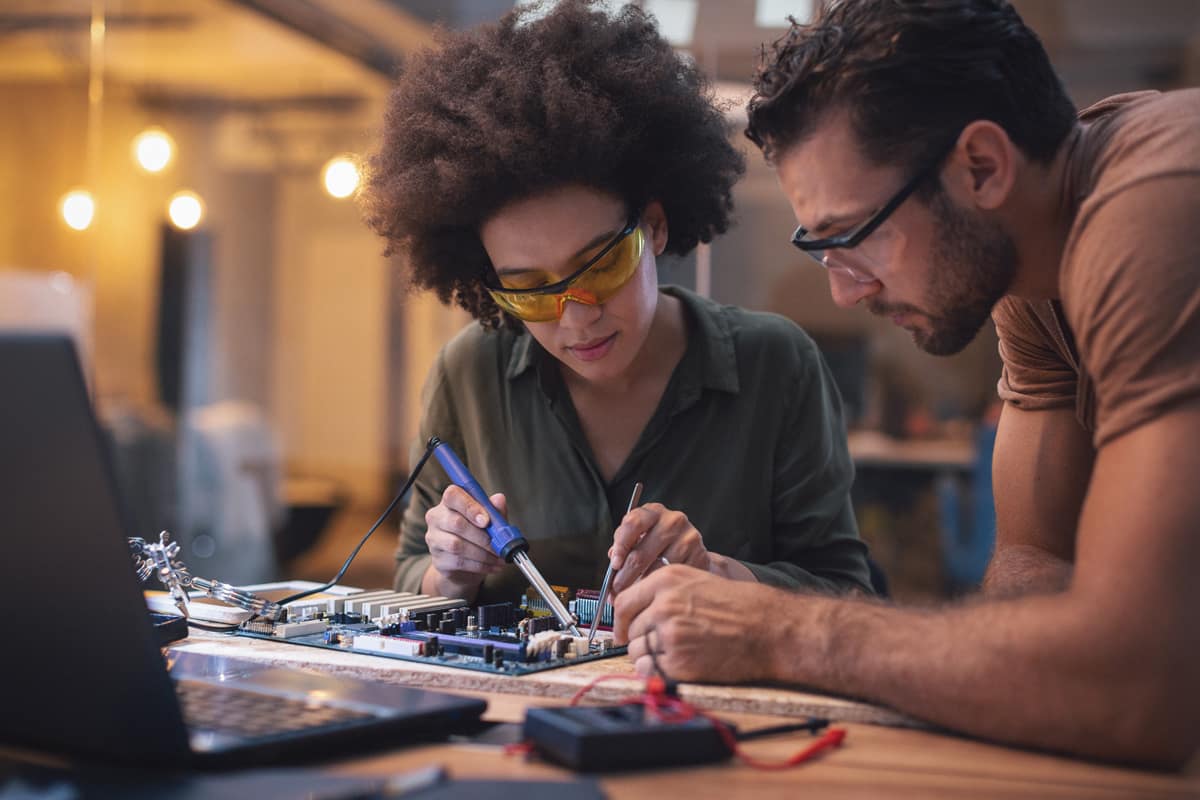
499 638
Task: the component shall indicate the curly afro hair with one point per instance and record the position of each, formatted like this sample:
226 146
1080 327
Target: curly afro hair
510 110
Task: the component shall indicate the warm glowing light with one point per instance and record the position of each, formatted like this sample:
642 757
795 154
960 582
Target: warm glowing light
152 149
341 176
186 209
78 208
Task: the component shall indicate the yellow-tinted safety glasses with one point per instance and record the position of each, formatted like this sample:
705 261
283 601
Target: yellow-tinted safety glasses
530 297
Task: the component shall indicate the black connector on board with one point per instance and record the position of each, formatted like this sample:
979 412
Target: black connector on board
599 738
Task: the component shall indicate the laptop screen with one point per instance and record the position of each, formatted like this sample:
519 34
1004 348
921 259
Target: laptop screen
83 671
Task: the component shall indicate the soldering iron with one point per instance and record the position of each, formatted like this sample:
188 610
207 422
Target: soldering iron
506 540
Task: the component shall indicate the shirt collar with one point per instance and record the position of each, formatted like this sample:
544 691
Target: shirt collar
710 344
711 339
521 357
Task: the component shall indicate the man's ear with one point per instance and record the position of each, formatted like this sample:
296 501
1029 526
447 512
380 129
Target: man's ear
983 167
655 219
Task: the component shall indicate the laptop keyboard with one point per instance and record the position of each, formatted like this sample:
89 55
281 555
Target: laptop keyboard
224 709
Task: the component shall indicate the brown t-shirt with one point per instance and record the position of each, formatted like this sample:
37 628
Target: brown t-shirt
1122 344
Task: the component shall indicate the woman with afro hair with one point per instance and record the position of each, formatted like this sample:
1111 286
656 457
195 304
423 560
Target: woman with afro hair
531 171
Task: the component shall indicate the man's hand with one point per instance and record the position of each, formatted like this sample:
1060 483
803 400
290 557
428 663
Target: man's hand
650 533
699 626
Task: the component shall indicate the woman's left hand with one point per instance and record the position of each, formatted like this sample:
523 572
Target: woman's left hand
648 535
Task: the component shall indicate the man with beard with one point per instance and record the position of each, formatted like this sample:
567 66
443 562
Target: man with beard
939 173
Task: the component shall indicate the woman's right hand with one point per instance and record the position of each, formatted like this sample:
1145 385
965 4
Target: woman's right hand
457 538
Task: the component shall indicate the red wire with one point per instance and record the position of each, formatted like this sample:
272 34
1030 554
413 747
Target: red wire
523 748
670 709
592 685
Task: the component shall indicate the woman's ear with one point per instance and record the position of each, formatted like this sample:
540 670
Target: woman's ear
655 219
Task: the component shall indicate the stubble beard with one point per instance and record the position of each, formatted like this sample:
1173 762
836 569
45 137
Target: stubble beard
973 263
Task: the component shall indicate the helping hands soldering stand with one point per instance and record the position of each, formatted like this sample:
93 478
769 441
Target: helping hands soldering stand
507 541
160 558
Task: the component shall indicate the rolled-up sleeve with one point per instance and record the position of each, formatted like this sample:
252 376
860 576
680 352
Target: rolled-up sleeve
1135 302
1036 375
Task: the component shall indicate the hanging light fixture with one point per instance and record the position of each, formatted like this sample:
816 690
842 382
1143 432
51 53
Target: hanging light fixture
153 149
77 208
185 210
340 176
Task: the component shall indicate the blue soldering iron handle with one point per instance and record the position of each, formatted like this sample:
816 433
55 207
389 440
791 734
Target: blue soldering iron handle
506 539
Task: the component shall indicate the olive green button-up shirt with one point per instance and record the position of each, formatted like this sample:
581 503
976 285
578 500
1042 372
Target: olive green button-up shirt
748 440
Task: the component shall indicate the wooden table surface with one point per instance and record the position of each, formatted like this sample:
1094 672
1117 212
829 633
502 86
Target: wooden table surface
893 760
875 449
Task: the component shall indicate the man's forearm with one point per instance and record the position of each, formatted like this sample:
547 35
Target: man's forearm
1019 570
1022 670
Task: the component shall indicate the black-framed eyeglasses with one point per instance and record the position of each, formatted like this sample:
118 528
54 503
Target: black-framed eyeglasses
855 236
492 281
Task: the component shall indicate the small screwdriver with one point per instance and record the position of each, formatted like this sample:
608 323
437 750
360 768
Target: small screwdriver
506 540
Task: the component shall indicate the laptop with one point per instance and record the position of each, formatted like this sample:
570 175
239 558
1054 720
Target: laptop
81 672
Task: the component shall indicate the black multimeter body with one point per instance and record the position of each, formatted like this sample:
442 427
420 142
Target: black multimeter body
597 738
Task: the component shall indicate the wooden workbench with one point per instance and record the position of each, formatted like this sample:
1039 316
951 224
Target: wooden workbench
885 753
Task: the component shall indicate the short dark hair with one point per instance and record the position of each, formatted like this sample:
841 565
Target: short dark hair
530 104
910 74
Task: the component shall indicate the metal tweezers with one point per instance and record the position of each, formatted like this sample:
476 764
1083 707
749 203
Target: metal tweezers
608 574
